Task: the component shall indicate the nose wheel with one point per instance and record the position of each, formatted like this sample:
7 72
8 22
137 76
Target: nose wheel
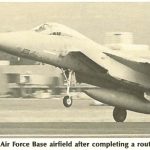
119 114
67 101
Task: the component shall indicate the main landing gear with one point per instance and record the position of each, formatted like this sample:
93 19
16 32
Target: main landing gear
119 114
67 100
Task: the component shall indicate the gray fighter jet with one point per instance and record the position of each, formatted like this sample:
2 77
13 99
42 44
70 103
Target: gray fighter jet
123 77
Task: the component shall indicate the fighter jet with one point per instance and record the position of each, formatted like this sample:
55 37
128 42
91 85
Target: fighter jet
123 82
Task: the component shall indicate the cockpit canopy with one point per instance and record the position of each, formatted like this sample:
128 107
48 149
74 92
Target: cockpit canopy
57 30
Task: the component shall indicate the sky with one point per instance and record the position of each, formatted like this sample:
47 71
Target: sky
91 19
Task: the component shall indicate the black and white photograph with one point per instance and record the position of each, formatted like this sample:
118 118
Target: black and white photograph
75 69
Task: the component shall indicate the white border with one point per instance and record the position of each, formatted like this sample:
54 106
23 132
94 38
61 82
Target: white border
24 1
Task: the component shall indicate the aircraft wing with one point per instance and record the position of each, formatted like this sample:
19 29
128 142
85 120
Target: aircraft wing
96 58
88 61
138 64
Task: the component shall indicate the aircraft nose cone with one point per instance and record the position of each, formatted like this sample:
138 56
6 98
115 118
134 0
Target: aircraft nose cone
9 42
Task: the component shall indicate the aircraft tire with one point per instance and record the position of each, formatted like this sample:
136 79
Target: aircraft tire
67 101
119 114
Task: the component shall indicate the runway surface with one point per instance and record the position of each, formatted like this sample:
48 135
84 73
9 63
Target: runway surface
50 117
74 128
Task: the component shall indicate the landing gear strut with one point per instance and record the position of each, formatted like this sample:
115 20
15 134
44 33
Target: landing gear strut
67 100
119 114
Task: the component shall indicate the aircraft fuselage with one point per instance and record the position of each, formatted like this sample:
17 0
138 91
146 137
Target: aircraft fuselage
53 49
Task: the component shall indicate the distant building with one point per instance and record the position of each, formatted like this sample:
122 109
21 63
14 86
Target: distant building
123 41
21 80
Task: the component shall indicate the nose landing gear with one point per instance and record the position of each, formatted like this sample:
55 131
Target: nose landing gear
67 100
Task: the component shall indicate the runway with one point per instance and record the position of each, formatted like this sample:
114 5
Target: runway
75 128
49 117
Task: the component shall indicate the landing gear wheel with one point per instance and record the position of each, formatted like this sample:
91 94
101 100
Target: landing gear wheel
119 114
67 101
